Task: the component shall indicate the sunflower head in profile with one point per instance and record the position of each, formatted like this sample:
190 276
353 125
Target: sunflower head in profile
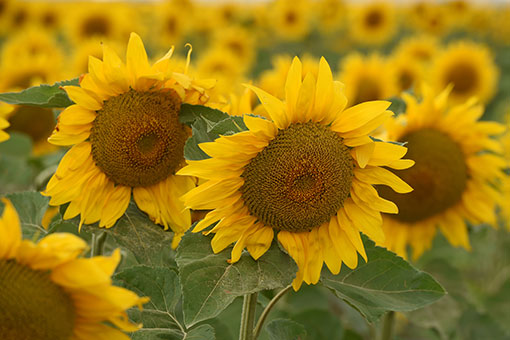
470 68
47 292
369 78
373 24
457 166
306 173
126 138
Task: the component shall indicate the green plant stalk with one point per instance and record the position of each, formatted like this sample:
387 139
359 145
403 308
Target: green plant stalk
387 326
265 313
248 316
97 244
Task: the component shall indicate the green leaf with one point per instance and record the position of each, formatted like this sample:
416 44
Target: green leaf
31 207
50 96
134 231
282 329
202 332
210 283
206 124
15 171
320 324
18 145
386 282
475 326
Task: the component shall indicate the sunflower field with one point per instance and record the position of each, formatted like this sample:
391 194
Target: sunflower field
254 170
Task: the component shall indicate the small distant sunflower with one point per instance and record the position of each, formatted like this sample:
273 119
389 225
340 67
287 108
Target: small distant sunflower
369 78
4 111
273 80
307 174
420 48
331 14
100 20
16 16
238 41
47 292
171 25
373 23
290 19
429 18
457 164
408 72
48 16
92 47
127 139
469 67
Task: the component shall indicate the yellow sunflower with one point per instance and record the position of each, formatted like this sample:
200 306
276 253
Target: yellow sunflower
290 19
238 41
369 78
429 18
307 174
4 111
47 292
457 162
408 72
420 48
127 138
171 24
470 68
79 63
373 24
330 14
16 16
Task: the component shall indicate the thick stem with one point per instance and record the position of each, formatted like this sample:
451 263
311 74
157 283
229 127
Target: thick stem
248 316
97 244
387 326
266 311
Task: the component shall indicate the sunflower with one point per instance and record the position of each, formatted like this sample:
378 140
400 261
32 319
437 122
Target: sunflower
290 19
307 174
429 18
373 24
171 24
369 78
100 20
456 166
47 292
469 67
4 111
127 138
408 72
419 48
330 14
16 17
238 41
79 63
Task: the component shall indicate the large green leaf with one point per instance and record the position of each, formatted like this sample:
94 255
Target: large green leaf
134 231
386 282
282 329
43 95
207 124
31 207
160 315
210 283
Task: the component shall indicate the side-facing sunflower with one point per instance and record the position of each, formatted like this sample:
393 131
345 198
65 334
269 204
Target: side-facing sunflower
47 292
456 163
469 67
307 174
127 138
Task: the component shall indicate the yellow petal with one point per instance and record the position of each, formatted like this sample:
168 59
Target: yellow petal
331 257
137 62
292 86
362 154
274 107
342 244
376 175
359 115
83 98
115 205
10 229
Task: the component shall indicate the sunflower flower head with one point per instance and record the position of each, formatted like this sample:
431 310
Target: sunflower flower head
47 292
306 173
457 167
126 138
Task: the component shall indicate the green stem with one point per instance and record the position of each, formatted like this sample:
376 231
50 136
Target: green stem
97 244
387 326
266 311
248 316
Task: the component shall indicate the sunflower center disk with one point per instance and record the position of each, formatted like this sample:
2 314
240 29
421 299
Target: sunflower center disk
300 180
439 176
137 139
464 78
32 306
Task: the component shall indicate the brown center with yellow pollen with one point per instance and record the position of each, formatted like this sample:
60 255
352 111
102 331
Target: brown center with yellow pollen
32 306
37 122
300 179
464 77
438 178
137 139
95 26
